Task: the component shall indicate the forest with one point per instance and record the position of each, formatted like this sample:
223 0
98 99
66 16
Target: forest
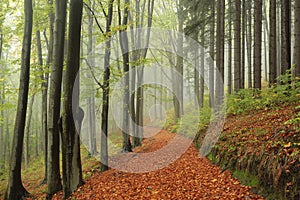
149 99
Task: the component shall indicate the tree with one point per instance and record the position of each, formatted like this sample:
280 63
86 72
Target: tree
285 36
45 83
230 47
257 43
249 44
15 189
237 46
297 38
127 147
220 52
106 89
243 46
53 176
73 114
273 44
212 56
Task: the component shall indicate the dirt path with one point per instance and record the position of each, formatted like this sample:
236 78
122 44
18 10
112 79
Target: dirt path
190 177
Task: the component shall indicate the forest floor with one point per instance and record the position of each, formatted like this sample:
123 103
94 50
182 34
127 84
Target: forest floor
190 177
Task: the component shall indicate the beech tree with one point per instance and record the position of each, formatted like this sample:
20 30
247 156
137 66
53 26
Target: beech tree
73 114
53 168
15 189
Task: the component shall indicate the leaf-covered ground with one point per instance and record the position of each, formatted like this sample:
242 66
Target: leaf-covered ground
190 177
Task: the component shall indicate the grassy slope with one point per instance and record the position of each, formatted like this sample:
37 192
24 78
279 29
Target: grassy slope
263 144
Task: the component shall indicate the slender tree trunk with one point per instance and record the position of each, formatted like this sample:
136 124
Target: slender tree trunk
230 48
202 57
272 44
27 131
220 53
91 99
285 36
244 17
297 38
257 43
249 45
212 56
15 189
179 60
126 97
278 39
45 91
53 173
237 46
196 78
106 90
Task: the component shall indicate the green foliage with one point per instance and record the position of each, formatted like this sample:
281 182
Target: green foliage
246 100
295 121
191 122
246 178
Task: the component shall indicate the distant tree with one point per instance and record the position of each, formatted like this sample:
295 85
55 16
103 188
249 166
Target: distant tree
285 36
297 38
249 43
257 43
220 52
15 189
229 47
212 55
273 44
237 46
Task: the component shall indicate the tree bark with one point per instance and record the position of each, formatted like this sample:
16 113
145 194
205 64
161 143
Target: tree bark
237 46
249 44
53 176
106 90
257 43
73 114
45 84
285 36
230 47
212 56
220 53
127 147
297 38
273 44
15 189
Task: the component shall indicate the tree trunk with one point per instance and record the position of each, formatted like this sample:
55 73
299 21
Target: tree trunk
53 176
73 114
45 84
249 44
237 46
106 90
297 38
212 56
244 16
230 48
257 43
91 99
272 44
202 57
27 131
220 53
126 98
15 189
285 36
